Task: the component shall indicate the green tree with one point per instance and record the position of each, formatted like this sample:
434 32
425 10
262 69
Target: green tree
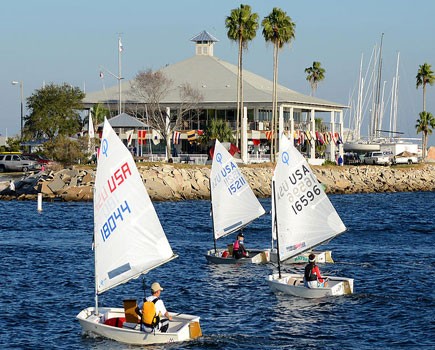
315 74
242 27
279 29
67 151
425 124
217 129
424 76
98 112
54 110
12 145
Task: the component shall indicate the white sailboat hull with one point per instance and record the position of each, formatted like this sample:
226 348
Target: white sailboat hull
182 328
292 284
321 257
256 256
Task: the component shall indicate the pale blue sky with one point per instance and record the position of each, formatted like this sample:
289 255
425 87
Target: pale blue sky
67 41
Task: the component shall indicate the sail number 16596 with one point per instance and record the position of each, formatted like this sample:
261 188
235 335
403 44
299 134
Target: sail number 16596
305 199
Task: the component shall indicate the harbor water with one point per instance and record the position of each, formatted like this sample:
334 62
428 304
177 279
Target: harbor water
46 278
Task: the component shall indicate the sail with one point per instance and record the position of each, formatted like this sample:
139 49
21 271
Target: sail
234 204
305 216
129 239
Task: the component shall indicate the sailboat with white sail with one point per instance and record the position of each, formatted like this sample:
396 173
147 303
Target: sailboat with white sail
304 218
128 241
233 206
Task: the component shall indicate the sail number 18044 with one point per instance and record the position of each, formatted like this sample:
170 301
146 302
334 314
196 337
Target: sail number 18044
110 225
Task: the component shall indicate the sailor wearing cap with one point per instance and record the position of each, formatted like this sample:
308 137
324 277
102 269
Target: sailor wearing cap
239 250
161 311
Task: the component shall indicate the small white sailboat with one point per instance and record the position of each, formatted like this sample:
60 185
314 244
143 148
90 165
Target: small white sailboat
128 241
304 218
233 206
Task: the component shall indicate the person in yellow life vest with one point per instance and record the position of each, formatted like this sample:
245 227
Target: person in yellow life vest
160 320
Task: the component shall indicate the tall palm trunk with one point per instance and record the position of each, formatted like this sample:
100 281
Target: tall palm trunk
239 68
241 101
424 97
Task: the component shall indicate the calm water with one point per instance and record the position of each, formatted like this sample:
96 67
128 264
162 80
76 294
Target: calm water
46 278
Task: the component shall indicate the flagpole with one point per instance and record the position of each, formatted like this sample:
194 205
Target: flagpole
119 73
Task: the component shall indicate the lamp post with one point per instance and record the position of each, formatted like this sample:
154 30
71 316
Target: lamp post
22 105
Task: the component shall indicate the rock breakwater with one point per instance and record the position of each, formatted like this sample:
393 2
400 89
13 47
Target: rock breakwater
173 182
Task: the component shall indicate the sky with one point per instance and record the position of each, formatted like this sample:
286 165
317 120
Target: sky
57 41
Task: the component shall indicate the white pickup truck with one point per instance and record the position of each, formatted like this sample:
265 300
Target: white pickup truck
376 158
405 158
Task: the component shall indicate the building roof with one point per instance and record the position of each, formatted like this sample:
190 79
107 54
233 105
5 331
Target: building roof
217 81
204 36
124 120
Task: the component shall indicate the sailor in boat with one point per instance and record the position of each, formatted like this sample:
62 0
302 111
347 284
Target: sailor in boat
312 276
239 250
152 311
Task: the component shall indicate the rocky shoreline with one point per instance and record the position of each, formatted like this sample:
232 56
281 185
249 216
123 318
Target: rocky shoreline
176 182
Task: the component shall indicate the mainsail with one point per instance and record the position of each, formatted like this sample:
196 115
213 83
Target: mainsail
129 239
234 204
305 217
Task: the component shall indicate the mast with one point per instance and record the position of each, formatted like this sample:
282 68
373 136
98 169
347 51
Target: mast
211 213
276 229
94 248
377 113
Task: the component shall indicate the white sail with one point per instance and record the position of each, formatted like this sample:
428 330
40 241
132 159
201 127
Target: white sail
234 204
305 216
129 239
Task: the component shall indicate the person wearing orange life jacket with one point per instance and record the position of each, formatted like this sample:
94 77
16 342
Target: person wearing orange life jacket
312 276
239 250
160 310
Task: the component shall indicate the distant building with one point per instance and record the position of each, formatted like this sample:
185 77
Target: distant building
217 81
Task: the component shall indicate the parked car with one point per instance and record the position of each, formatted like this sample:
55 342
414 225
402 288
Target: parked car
39 158
351 158
17 162
376 158
405 158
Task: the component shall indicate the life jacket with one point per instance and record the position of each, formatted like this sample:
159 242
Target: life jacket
309 275
236 245
149 315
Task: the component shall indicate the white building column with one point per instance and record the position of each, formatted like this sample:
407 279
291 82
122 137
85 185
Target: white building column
280 122
341 146
313 135
244 139
292 126
168 137
332 144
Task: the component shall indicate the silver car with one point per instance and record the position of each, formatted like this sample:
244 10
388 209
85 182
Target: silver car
16 162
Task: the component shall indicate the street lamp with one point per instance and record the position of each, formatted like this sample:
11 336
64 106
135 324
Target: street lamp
22 105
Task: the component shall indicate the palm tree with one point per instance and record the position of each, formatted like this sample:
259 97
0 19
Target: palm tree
242 27
315 74
279 29
425 125
425 76
217 129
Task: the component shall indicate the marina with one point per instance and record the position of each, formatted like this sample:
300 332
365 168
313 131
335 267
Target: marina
47 273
